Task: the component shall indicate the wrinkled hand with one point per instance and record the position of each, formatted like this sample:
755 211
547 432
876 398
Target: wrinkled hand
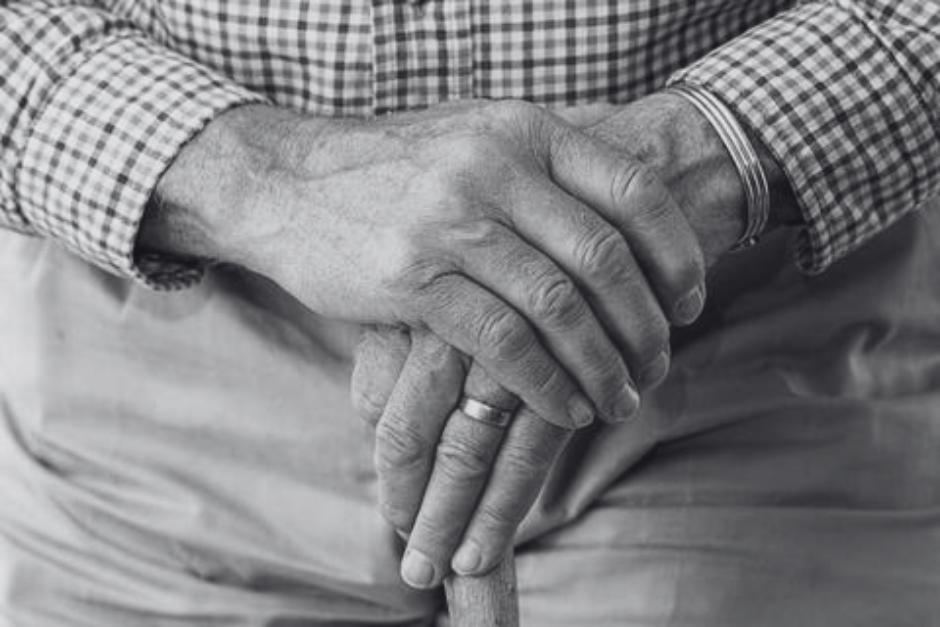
433 465
434 462
497 226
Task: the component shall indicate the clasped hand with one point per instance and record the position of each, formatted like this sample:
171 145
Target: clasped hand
553 260
626 264
492 242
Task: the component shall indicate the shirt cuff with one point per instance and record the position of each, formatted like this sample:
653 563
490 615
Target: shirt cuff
102 139
840 114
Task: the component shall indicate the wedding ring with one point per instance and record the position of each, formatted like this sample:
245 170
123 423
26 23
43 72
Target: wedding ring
487 414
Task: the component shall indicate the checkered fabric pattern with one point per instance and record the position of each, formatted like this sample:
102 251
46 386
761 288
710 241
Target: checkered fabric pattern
846 95
98 96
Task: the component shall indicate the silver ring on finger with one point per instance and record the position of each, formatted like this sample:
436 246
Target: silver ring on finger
485 413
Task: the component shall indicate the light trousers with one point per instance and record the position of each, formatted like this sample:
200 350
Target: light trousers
191 458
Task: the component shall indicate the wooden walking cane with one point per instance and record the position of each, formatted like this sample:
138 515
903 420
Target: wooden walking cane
487 601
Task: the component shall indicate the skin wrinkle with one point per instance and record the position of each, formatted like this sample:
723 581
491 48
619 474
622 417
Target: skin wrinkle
406 187
698 167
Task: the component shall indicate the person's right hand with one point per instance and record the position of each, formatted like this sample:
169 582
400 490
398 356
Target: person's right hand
527 245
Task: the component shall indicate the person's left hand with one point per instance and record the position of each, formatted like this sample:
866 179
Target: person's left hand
460 485
434 462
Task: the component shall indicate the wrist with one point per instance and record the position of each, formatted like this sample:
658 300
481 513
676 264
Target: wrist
768 199
784 209
207 205
670 133
697 167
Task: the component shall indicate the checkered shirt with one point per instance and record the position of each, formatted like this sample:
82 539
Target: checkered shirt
97 96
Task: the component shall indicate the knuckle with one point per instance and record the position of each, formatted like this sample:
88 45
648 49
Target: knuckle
455 178
399 446
555 298
368 408
397 515
550 382
624 180
434 534
463 460
476 233
648 193
496 520
526 461
503 334
605 255
444 188
385 337
437 358
418 268
524 118
465 153
636 186
658 204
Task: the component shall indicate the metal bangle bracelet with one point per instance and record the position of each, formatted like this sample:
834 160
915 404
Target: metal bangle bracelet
743 155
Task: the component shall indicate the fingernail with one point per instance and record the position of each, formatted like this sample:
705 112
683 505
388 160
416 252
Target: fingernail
689 307
626 403
467 560
417 570
655 371
581 411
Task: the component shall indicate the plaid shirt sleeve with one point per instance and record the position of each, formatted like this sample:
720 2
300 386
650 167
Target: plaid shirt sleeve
91 113
846 95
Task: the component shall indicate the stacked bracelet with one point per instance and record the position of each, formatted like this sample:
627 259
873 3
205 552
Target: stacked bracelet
743 155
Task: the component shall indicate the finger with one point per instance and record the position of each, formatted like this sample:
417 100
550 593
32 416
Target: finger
465 451
528 451
537 288
471 318
380 356
598 257
633 198
408 431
